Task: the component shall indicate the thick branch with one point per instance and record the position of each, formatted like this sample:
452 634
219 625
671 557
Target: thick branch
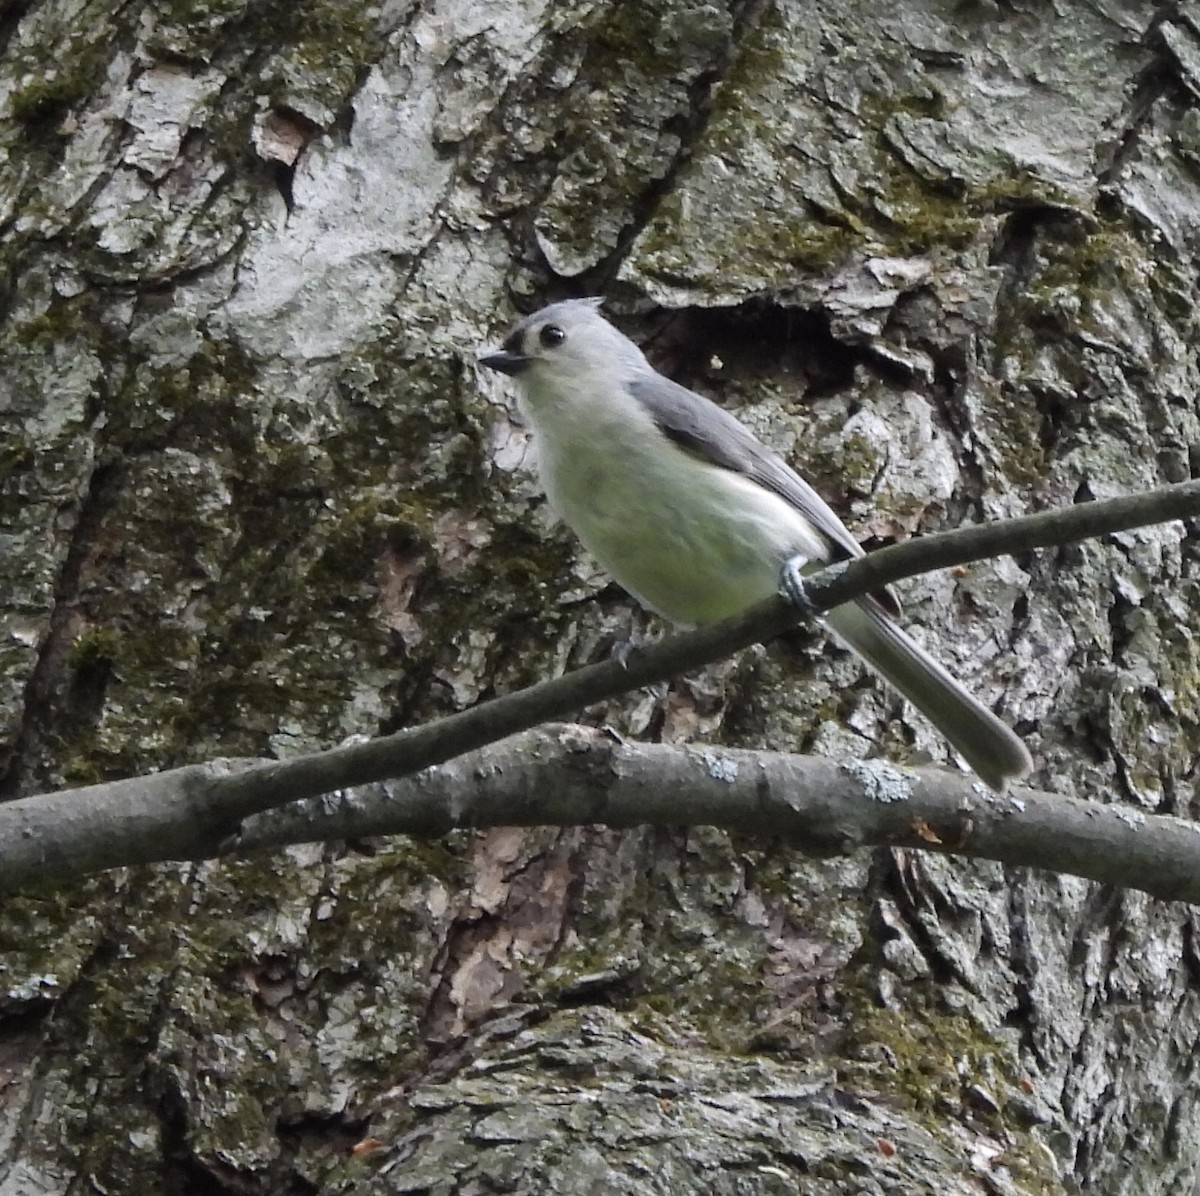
189 812
565 776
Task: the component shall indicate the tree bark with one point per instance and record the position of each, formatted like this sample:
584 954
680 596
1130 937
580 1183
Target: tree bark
256 498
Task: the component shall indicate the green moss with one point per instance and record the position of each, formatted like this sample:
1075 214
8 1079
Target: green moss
98 645
330 34
1080 267
329 42
46 101
47 934
17 455
623 36
763 53
1083 267
643 43
928 1060
62 69
811 245
922 1060
910 216
66 321
1015 425
893 208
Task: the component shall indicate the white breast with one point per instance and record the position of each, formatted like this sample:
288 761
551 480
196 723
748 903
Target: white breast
688 539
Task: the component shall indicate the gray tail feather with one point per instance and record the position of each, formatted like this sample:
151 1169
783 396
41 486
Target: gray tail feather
991 748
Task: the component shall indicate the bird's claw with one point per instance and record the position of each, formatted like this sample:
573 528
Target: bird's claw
791 586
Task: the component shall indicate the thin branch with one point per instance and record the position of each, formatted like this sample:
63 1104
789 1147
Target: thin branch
1047 529
189 812
410 750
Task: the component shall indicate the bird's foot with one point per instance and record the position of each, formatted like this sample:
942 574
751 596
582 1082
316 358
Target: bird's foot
791 586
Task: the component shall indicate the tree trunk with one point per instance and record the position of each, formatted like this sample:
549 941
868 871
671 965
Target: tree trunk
257 497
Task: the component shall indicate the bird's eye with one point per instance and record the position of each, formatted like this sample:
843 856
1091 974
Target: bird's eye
552 335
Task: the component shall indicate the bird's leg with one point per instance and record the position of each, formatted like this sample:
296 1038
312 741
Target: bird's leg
791 586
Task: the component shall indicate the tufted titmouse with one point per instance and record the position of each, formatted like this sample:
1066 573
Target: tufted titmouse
695 517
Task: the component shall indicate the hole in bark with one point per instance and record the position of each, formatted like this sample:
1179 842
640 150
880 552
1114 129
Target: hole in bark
752 340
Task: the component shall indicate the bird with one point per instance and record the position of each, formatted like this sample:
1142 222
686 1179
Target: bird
696 518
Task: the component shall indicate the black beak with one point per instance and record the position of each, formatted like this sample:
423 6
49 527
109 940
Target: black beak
505 360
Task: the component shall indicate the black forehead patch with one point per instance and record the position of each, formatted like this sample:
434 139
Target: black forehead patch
514 340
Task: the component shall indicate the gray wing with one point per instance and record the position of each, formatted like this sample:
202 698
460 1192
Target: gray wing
700 426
